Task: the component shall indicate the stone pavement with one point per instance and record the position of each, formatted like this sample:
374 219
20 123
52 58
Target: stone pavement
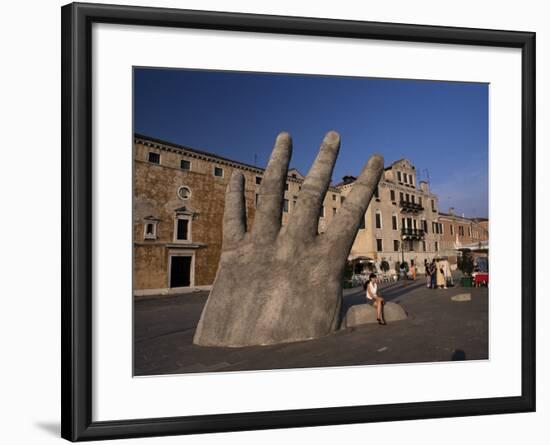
438 329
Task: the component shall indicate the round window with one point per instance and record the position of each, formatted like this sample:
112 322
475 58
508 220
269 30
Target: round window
184 193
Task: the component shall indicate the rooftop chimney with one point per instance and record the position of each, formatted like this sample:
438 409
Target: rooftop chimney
424 186
348 179
452 211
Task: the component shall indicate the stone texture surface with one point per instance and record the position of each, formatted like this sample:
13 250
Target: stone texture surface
155 194
278 284
359 314
462 297
394 312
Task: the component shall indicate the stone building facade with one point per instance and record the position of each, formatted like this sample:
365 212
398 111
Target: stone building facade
179 195
178 206
459 232
401 222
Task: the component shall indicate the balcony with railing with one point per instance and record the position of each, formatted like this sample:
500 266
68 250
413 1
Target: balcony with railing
414 234
410 207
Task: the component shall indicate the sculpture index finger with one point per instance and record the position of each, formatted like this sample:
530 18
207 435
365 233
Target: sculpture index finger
344 226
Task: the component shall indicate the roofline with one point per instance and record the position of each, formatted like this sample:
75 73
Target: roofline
399 160
213 155
203 152
299 172
472 219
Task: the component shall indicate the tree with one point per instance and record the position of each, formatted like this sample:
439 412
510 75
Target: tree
371 267
466 262
348 270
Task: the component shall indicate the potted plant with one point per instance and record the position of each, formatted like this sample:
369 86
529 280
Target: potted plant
465 263
348 273
397 267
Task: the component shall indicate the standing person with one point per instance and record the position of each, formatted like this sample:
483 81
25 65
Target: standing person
440 276
403 273
372 294
449 274
413 270
433 270
428 274
445 267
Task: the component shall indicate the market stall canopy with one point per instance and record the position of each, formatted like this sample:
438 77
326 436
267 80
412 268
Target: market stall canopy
360 259
480 245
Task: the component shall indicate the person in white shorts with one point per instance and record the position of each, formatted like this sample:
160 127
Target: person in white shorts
374 297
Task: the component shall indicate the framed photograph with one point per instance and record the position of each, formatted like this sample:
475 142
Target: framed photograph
273 222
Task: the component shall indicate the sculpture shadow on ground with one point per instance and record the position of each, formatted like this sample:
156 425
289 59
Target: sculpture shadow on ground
390 292
52 428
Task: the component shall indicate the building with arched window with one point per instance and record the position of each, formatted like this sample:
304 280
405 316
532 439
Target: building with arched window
179 198
402 220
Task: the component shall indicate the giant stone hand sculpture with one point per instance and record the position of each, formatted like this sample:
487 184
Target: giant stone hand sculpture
281 284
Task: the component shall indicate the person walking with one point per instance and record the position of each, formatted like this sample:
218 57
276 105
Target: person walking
413 270
446 273
403 273
440 276
374 297
449 274
433 270
428 274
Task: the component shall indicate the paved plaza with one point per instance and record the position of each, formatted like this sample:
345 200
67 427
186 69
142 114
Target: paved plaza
438 328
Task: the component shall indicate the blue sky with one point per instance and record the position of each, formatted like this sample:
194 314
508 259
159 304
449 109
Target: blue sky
441 127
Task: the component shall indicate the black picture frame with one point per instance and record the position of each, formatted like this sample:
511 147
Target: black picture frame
76 249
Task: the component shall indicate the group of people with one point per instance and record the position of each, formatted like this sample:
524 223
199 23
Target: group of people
403 274
436 274
436 278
